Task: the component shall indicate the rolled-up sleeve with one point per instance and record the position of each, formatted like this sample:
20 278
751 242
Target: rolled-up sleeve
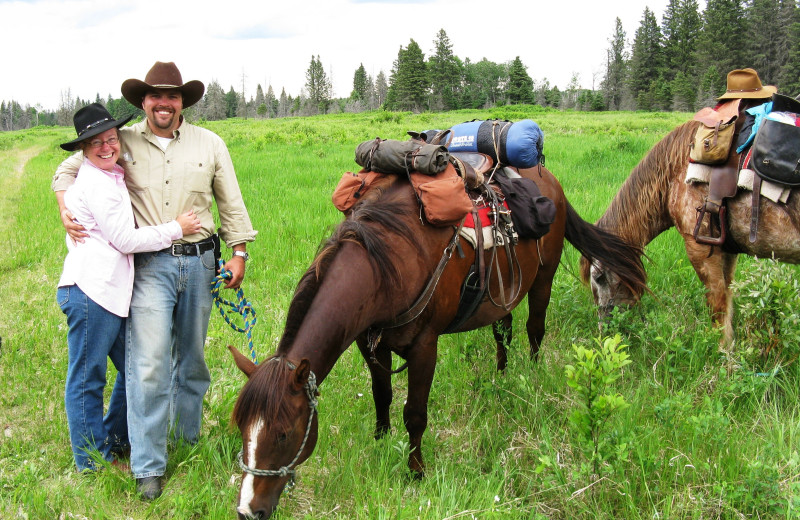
235 227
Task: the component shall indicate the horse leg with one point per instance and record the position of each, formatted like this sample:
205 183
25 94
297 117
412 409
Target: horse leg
501 329
538 300
716 272
421 366
379 366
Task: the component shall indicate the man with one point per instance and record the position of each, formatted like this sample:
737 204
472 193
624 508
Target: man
170 168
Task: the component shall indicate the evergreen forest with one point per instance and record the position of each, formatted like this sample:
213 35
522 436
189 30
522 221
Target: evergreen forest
677 63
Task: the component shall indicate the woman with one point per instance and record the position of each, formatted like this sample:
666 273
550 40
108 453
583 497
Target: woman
95 287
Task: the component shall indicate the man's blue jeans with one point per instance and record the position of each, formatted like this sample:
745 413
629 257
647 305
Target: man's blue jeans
94 336
167 376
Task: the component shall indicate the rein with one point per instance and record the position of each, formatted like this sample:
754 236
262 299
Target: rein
375 332
241 307
288 470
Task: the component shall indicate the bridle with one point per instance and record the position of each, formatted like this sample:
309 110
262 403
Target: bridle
288 470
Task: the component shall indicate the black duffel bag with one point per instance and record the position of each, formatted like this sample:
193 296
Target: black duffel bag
531 212
776 148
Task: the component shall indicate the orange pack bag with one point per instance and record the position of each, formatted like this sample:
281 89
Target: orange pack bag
351 187
444 200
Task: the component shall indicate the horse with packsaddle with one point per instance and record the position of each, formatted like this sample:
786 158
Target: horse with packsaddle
726 180
439 236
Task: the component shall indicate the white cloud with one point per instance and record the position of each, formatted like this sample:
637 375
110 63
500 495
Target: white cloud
88 47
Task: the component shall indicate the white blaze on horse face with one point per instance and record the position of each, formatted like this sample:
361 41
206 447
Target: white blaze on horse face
247 492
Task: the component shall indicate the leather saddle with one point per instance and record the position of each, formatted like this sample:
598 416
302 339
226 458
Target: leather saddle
723 180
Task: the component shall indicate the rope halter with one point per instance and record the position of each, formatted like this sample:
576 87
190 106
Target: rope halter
288 470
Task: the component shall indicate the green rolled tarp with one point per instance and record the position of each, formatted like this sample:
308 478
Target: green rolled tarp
399 157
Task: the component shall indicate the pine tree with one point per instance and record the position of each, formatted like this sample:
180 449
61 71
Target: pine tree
381 89
767 54
445 72
214 102
519 89
260 103
231 103
723 38
320 90
360 91
271 102
646 61
408 83
789 81
283 104
680 28
616 69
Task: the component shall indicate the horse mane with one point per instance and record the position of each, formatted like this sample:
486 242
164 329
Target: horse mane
384 213
264 396
638 212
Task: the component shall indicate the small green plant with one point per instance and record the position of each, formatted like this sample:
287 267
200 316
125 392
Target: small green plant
592 376
767 297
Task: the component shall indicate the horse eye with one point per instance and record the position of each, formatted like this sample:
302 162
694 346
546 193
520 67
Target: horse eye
600 277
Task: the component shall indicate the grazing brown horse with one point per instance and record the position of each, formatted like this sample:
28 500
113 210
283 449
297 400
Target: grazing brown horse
655 198
372 269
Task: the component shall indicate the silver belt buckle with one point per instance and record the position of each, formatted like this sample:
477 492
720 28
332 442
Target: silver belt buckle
174 248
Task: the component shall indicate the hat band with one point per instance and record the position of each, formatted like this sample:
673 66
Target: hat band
745 89
166 86
93 125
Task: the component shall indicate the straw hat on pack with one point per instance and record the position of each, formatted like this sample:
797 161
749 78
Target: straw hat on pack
745 84
162 75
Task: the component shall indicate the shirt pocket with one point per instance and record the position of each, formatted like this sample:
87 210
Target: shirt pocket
199 176
137 176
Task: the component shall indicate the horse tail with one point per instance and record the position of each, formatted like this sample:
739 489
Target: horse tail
617 255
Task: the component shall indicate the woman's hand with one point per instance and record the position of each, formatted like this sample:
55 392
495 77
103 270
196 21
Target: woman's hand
190 223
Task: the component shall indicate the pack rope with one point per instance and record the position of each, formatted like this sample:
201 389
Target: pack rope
242 307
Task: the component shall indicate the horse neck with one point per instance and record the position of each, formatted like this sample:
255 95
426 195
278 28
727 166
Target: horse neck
640 210
335 316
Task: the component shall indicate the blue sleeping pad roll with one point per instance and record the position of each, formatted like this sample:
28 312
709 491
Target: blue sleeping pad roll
524 144
516 144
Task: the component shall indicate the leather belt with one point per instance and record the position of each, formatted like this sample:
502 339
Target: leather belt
195 249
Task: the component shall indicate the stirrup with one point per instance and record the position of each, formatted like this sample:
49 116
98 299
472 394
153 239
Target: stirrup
709 240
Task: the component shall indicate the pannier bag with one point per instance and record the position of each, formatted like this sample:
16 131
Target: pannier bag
531 212
776 149
713 139
515 144
443 197
401 157
352 187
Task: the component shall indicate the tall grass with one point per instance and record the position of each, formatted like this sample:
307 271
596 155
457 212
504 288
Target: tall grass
702 441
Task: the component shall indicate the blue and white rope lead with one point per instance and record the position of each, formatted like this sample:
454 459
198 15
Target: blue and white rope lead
242 307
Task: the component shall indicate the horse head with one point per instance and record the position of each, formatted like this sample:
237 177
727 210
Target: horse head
608 289
276 416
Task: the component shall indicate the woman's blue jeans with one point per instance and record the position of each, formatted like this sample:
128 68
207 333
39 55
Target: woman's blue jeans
95 335
167 375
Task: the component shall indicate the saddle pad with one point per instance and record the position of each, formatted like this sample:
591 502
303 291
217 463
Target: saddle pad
488 237
697 172
483 216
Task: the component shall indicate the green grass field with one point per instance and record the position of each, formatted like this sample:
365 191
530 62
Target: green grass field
696 441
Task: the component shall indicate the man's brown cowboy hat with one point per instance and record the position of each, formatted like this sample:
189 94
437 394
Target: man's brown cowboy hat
745 84
162 75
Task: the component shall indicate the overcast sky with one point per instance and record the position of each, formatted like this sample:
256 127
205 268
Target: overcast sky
89 47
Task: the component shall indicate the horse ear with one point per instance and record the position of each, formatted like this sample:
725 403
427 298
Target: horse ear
244 364
302 372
